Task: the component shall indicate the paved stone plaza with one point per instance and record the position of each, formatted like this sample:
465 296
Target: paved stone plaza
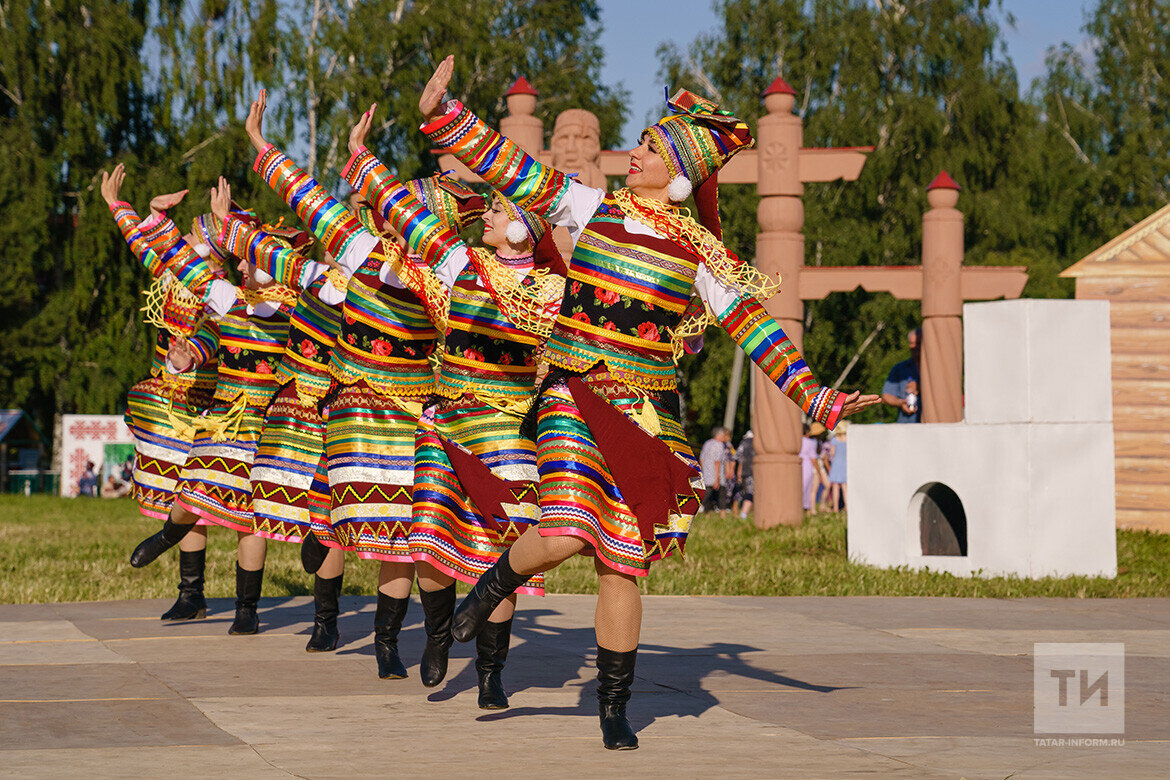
726 687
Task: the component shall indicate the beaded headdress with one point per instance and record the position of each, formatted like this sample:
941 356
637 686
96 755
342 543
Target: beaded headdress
695 141
524 224
449 200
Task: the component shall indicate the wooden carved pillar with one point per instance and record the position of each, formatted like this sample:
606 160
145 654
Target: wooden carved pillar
942 304
526 130
776 420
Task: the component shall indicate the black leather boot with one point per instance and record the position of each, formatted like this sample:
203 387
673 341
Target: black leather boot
438 606
190 605
615 675
497 583
312 553
491 651
157 544
326 594
247 597
387 622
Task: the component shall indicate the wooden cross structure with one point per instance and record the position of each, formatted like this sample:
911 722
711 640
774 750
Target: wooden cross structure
779 166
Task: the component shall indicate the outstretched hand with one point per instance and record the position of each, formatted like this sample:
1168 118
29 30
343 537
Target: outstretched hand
221 199
432 95
161 203
361 130
855 402
254 124
112 183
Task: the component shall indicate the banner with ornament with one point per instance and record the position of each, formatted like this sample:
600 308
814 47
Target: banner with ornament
83 440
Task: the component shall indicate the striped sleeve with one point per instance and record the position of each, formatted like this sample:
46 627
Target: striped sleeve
279 261
500 162
205 342
769 347
128 222
326 218
425 233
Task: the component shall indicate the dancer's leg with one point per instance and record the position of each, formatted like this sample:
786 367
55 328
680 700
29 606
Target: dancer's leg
251 551
172 532
191 604
334 564
394 581
533 553
618 622
327 584
436 591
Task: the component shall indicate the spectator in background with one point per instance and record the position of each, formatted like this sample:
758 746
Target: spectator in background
115 489
744 455
901 387
838 487
713 464
128 470
810 450
87 485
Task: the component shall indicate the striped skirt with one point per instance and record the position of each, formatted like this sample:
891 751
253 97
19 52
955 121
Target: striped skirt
369 453
447 531
578 493
290 448
159 449
216 482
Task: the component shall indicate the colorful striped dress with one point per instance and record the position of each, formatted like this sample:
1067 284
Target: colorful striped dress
160 409
215 483
485 380
292 443
615 467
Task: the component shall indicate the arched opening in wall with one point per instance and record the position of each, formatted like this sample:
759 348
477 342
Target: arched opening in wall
942 523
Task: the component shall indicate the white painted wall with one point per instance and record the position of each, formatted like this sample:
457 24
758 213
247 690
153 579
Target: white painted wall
1032 463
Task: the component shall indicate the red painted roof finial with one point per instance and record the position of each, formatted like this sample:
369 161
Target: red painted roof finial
779 87
943 182
521 87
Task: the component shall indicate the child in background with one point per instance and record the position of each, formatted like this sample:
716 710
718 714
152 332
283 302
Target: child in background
838 487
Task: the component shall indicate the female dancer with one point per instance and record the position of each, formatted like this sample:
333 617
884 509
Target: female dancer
615 468
381 375
499 307
161 409
215 483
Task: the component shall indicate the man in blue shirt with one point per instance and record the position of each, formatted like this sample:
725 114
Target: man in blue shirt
903 382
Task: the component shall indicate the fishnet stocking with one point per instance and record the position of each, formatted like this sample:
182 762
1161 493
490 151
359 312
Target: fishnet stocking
533 553
395 579
618 617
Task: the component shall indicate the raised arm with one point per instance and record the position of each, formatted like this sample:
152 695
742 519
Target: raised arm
768 346
244 239
332 223
529 184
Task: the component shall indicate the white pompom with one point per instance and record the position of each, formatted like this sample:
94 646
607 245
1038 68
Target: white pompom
679 189
260 276
516 232
203 250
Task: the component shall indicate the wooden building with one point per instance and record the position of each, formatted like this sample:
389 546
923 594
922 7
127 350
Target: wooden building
1132 272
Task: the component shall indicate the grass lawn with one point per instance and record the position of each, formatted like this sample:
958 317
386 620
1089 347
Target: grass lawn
57 549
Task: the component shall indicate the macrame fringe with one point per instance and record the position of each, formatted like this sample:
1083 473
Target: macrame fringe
171 306
678 225
531 307
218 426
276 293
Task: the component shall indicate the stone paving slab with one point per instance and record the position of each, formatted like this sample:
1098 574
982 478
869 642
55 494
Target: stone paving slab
725 687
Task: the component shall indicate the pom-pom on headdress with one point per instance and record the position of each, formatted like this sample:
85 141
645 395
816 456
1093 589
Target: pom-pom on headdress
523 224
695 141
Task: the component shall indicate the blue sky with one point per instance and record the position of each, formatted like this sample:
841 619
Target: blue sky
634 28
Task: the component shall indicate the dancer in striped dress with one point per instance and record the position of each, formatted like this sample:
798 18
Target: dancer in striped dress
215 483
381 375
161 410
617 478
499 306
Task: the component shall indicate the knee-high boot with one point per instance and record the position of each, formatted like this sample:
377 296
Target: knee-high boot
438 607
247 597
495 585
326 608
156 544
491 651
387 622
312 553
615 675
190 605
